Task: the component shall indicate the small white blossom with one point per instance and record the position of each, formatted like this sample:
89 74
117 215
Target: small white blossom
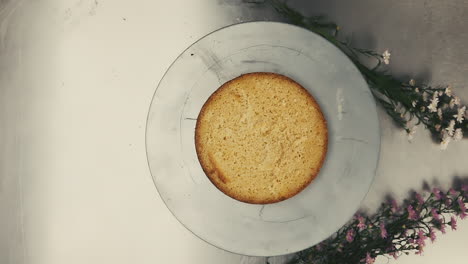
411 133
433 106
456 100
451 128
441 93
452 103
423 109
425 96
439 113
460 116
448 91
437 127
445 142
386 57
458 135
413 103
412 82
398 107
416 90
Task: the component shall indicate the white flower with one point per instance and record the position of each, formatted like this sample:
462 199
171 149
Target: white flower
398 107
439 113
452 103
412 82
460 116
386 57
458 135
408 124
448 91
413 103
445 142
441 93
423 109
416 90
433 106
456 100
411 133
451 128
437 127
425 96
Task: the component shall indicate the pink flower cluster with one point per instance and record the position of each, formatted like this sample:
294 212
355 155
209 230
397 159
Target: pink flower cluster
350 235
462 206
383 231
412 228
437 193
419 199
453 223
412 215
435 215
361 222
420 241
432 235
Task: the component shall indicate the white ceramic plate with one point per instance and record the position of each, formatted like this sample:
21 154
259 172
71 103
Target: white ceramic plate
303 220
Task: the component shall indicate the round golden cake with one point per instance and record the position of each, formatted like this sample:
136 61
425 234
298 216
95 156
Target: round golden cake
261 138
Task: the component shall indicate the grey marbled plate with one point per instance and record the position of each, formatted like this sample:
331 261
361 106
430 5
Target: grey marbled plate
303 220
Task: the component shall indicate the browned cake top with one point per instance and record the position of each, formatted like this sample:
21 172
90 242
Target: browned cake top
261 138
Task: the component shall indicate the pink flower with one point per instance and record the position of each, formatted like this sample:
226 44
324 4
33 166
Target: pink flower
419 198
435 215
461 204
420 250
432 234
369 259
442 228
452 192
350 235
394 206
383 231
420 241
453 223
437 193
361 222
411 213
464 187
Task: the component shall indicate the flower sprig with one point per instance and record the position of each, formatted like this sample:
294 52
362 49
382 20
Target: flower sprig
393 230
406 102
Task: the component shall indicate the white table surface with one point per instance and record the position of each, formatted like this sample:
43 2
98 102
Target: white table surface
76 81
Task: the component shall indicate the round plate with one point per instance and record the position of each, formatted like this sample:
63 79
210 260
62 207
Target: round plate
303 220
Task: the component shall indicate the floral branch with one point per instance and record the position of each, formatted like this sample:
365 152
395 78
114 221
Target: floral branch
407 103
394 230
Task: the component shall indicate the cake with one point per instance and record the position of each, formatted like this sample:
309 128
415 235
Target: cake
261 138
